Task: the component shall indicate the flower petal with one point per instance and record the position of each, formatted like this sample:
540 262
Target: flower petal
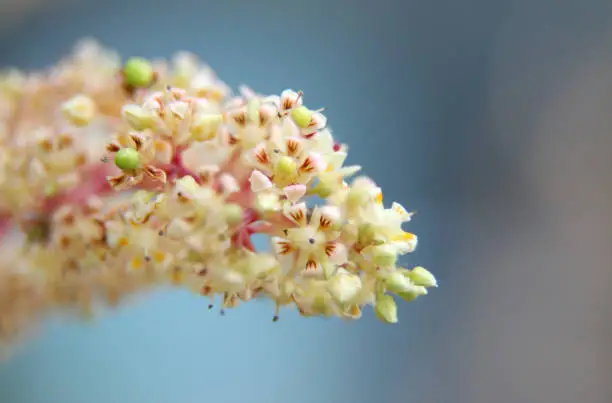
297 214
259 181
294 192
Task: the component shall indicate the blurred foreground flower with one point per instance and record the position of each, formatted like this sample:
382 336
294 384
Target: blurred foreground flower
123 177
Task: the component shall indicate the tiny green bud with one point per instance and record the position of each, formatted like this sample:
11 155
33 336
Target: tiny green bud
421 276
384 255
386 309
397 283
233 213
414 292
138 72
302 116
127 159
285 166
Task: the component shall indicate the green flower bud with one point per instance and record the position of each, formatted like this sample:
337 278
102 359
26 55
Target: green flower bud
421 276
386 309
384 255
127 159
285 166
233 213
138 72
397 283
412 294
302 116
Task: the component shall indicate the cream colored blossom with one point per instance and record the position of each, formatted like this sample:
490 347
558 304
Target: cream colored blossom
121 176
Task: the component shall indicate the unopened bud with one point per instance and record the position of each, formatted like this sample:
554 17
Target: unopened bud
127 159
386 309
233 213
302 116
397 283
79 110
384 255
421 276
138 72
285 166
412 294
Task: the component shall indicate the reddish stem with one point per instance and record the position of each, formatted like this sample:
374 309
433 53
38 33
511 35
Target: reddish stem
177 169
94 183
5 225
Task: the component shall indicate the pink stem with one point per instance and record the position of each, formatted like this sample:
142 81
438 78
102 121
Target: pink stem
95 183
5 225
177 169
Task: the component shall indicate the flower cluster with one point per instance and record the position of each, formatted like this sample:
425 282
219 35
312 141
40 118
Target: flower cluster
121 176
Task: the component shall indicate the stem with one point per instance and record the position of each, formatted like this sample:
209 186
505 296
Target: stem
95 184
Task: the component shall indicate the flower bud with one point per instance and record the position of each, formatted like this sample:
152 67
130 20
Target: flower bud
285 166
233 213
127 159
302 116
397 283
138 72
384 255
421 276
368 235
137 117
344 287
204 126
386 309
412 294
79 110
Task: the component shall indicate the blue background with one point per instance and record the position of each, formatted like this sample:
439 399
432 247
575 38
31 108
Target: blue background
491 119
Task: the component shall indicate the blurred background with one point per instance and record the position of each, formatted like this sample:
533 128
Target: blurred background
491 118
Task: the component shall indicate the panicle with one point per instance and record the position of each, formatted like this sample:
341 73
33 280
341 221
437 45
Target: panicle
120 176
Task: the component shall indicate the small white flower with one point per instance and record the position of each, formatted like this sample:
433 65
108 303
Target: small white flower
344 286
79 110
